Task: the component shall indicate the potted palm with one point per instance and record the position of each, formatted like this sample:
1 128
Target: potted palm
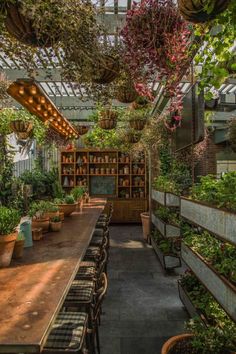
66 205
19 246
9 219
55 223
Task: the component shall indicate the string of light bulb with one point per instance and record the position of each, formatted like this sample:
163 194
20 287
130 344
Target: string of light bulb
30 95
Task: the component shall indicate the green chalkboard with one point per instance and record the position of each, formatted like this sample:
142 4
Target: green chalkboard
102 185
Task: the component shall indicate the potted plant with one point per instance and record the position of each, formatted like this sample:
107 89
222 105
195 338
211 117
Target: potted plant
106 69
140 102
107 118
55 223
82 129
66 205
9 219
132 136
145 217
22 129
37 212
78 193
19 246
137 118
126 92
51 210
201 11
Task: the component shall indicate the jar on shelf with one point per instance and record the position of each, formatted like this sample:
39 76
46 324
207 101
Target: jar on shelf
102 170
126 170
106 158
63 158
135 169
127 159
121 172
114 160
97 171
108 171
66 182
122 159
92 171
141 194
127 195
113 171
91 158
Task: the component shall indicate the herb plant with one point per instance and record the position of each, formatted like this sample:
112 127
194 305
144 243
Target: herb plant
9 219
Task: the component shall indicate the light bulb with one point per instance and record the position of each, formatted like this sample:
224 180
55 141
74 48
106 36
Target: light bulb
30 100
21 90
33 90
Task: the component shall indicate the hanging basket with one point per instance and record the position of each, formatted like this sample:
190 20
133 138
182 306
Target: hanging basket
107 70
137 124
22 129
108 119
193 10
22 28
82 129
126 92
133 137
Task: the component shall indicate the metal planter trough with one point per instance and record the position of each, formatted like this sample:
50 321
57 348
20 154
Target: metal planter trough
167 230
217 221
223 291
168 262
166 199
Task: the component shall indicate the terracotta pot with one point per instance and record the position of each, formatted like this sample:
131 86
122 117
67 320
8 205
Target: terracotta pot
173 341
55 226
67 209
22 28
21 129
7 243
145 217
82 129
193 10
137 124
80 204
37 234
107 70
51 214
18 249
41 223
62 216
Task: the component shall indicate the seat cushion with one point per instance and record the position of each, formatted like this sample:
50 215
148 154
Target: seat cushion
80 291
67 331
86 272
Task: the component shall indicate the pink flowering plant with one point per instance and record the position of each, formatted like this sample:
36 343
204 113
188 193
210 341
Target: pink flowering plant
157 47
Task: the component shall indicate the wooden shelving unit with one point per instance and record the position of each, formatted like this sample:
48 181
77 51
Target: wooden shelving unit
95 169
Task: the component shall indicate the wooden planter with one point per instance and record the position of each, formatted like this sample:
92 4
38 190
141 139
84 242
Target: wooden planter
82 129
22 28
166 199
223 291
217 221
67 209
193 10
41 224
18 249
37 234
108 119
7 243
107 70
51 214
168 261
171 343
21 129
167 230
55 226
137 124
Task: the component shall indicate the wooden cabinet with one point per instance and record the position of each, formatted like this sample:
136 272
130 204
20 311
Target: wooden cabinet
128 211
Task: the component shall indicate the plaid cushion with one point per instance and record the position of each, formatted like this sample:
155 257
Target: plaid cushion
67 331
86 272
88 264
79 295
98 233
101 224
83 284
97 241
92 251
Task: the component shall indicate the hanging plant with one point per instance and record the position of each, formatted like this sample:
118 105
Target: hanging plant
140 103
201 11
106 69
137 118
4 84
126 92
22 129
232 133
100 138
82 129
157 47
107 119
132 136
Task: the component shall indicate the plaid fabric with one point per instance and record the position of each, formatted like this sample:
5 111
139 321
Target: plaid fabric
67 331
101 224
98 233
92 251
97 241
86 272
83 284
78 295
88 264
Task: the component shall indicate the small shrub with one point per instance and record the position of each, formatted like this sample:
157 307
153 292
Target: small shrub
9 219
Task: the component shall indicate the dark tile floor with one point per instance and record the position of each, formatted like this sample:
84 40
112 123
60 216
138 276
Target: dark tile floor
142 307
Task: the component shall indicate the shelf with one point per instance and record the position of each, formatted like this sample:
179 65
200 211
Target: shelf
80 174
103 163
137 174
124 186
167 230
68 174
89 174
67 187
67 163
124 175
138 186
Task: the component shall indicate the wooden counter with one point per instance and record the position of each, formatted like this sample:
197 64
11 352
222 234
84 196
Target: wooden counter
32 290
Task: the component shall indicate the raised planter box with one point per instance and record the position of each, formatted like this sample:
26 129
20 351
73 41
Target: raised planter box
183 295
223 291
167 230
166 199
217 221
167 261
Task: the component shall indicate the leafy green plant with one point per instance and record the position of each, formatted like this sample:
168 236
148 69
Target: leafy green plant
164 184
77 192
55 219
136 114
9 219
164 244
69 199
167 215
37 209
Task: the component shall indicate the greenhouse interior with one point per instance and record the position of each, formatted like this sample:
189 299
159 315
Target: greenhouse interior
118 176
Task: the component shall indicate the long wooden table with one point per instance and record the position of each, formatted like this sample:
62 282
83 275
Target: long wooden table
33 289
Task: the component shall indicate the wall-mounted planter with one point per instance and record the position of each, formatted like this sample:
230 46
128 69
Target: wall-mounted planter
165 198
217 221
223 291
167 230
167 261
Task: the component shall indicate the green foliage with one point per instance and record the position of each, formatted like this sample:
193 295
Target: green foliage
9 219
77 192
164 184
69 199
7 115
37 209
221 255
136 114
218 192
164 244
101 138
167 215
216 55
55 219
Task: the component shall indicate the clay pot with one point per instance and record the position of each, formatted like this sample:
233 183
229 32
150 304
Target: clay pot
18 249
168 345
137 124
37 234
51 214
41 223
145 217
22 28
67 209
7 243
107 70
193 10
61 215
21 129
108 119
55 226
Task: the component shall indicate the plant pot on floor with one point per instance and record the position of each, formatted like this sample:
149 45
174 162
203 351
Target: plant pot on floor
18 249
145 217
41 223
7 243
67 209
176 341
55 226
